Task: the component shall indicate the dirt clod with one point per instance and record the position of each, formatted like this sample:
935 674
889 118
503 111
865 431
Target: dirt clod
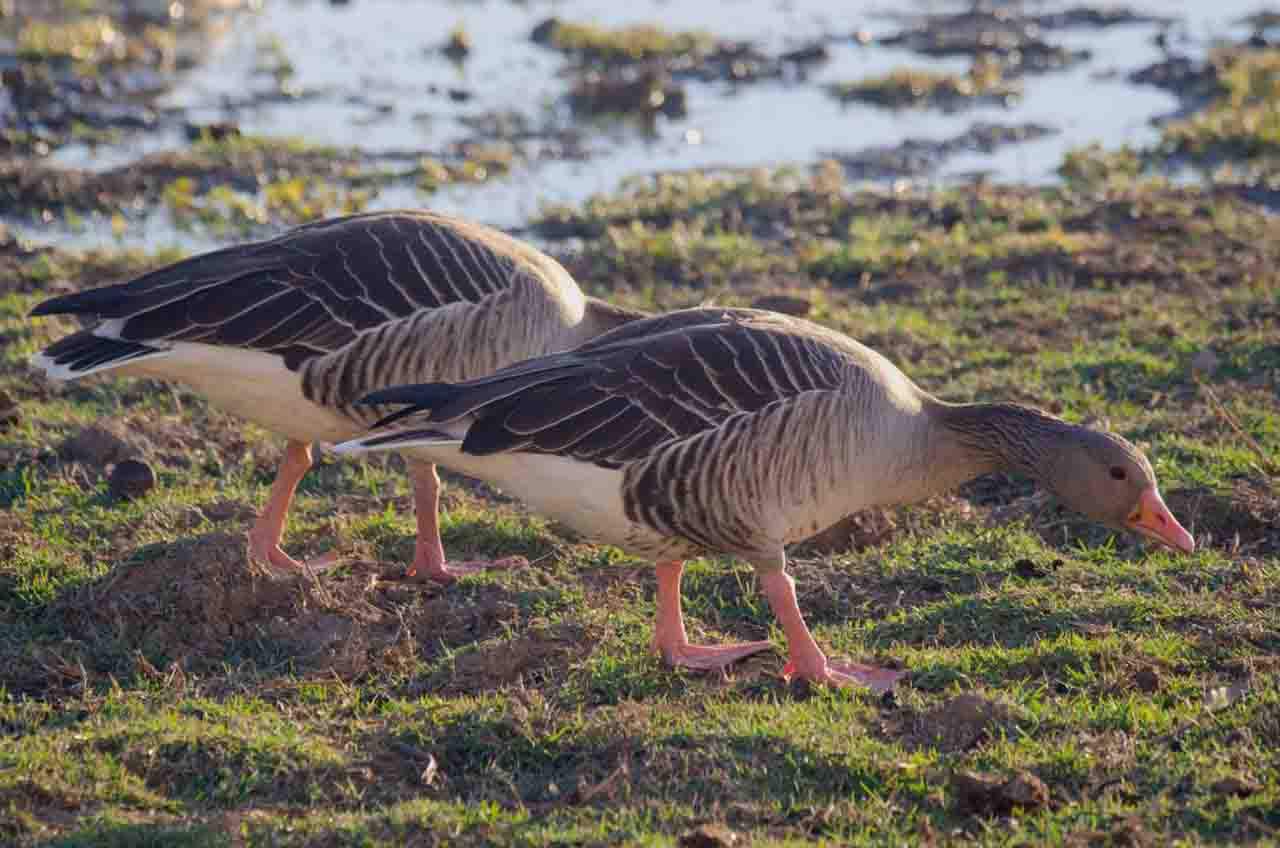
709 836
1240 787
490 666
863 529
131 479
986 795
1031 570
959 724
98 445
1148 679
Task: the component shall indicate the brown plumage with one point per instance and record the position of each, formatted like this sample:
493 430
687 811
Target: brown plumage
740 431
291 331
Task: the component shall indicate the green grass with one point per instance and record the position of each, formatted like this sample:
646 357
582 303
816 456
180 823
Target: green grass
155 689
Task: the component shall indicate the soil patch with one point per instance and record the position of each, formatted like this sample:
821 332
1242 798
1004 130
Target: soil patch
200 603
544 652
962 723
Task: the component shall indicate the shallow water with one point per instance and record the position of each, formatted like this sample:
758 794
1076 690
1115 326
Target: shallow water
373 77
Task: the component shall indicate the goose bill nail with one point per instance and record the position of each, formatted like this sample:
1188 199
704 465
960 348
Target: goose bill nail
1153 519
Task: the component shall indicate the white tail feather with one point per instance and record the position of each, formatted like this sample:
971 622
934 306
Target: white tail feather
62 373
367 444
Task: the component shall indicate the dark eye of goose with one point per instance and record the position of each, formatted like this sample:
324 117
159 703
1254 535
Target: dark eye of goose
1117 473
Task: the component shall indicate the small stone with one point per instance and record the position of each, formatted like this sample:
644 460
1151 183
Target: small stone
131 479
1147 679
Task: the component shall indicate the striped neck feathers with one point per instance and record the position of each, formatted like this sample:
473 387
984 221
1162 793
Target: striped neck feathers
979 438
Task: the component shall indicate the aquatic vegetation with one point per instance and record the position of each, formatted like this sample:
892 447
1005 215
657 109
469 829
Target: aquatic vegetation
226 211
476 165
1243 120
1095 165
984 82
624 44
91 39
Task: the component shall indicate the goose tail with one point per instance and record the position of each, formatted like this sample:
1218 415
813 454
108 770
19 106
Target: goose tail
84 353
396 440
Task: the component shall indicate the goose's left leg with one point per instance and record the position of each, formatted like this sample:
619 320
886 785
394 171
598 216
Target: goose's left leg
428 554
807 659
264 538
670 639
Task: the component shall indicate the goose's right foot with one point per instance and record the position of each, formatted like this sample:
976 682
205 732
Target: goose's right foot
434 567
709 657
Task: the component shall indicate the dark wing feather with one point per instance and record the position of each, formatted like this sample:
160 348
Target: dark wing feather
613 403
311 290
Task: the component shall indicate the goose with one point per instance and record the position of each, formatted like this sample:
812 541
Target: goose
739 431
291 331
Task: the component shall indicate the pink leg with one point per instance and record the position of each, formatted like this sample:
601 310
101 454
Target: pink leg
669 637
807 659
264 538
428 555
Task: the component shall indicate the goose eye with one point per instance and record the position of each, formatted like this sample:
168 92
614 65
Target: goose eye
1117 473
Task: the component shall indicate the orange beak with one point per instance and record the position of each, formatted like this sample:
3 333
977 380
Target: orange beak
1152 518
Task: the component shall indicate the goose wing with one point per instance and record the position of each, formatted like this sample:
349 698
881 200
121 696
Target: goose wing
619 397
311 290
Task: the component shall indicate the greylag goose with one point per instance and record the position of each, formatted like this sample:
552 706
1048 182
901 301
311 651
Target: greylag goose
290 332
739 431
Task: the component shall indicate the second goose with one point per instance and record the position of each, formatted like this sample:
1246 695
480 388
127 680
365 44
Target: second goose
739 431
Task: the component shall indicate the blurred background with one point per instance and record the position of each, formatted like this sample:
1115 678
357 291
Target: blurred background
190 122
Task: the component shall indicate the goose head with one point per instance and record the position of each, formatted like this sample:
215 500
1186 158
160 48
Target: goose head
1110 480
1096 473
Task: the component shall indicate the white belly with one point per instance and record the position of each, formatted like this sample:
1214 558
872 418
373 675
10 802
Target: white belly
251 384
586 497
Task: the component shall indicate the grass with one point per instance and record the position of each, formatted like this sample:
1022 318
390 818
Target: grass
156 689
